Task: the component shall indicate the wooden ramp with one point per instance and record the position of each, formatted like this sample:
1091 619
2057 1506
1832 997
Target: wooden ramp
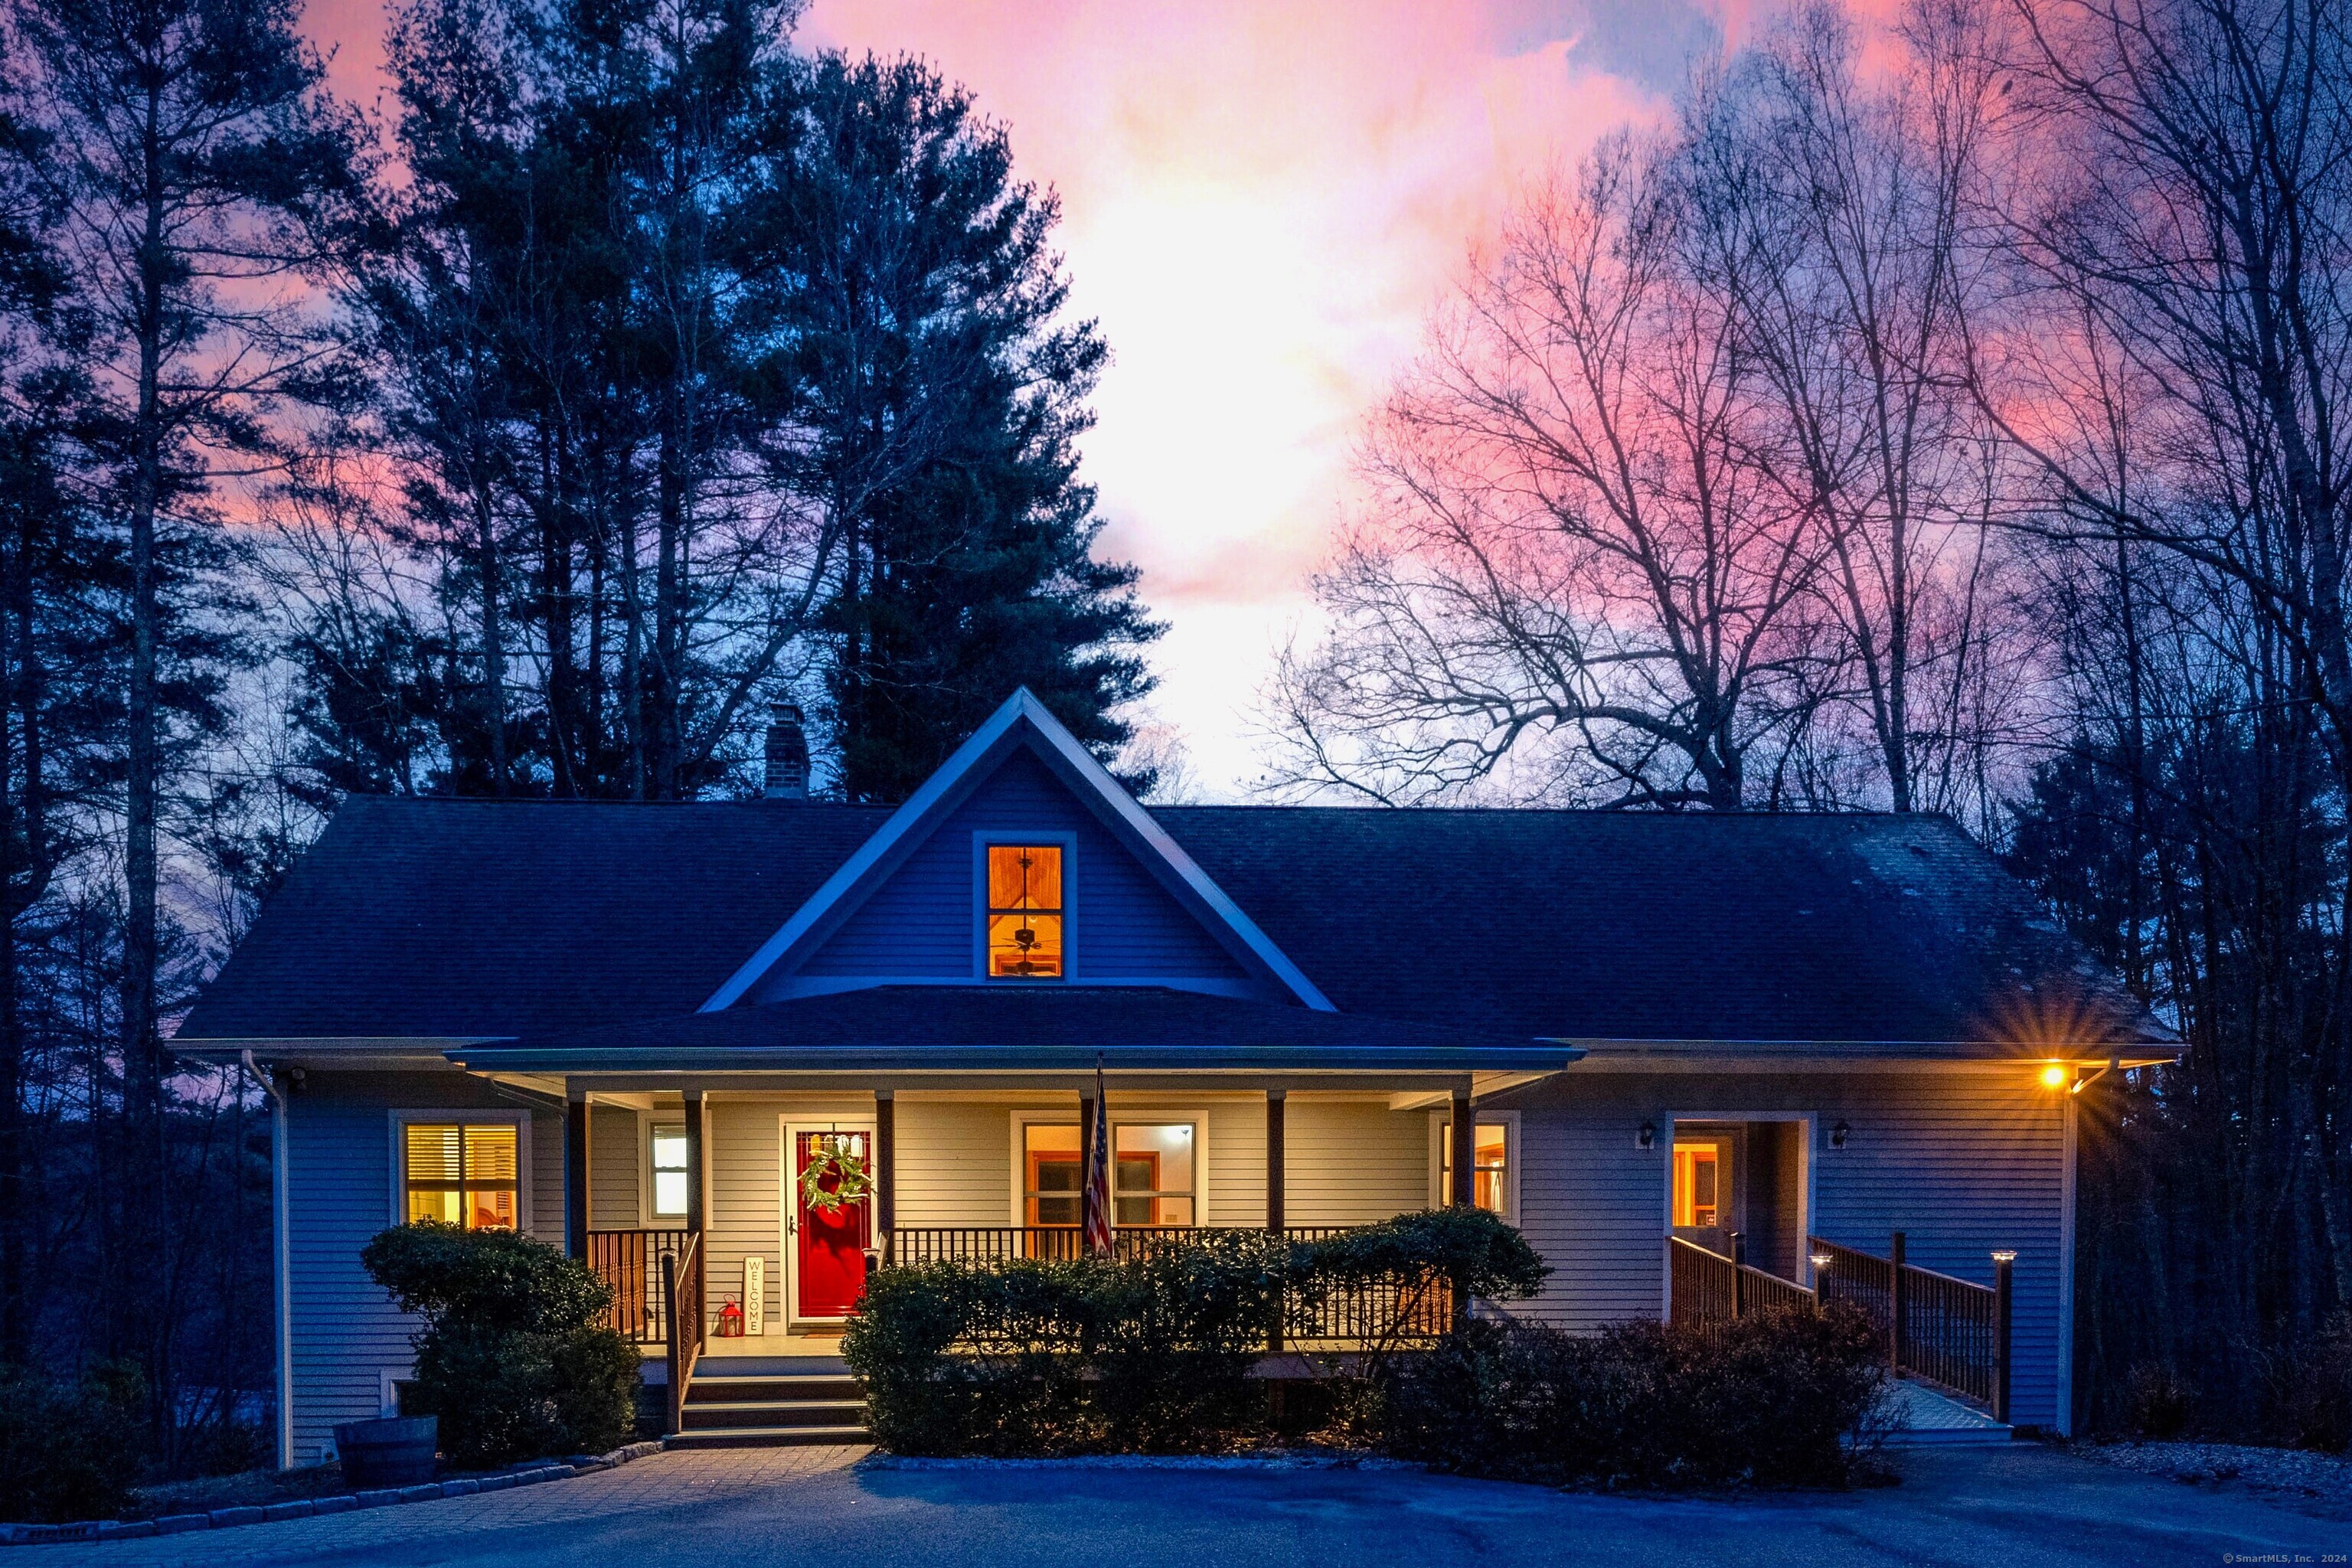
1928 1418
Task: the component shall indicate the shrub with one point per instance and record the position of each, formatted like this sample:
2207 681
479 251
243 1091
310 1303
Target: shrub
1783 1399
514 1356
1150 1354
2156 1401
2306 1390
1147 1355
69 1450
1473 1249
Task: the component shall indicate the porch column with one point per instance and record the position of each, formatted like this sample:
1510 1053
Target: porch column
575 1168
1273 1172
694 1161
1464 1158
885 1169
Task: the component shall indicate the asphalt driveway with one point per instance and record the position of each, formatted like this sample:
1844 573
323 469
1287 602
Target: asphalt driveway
2017 1508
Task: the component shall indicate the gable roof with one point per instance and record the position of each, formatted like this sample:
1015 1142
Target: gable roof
1023 723
466 919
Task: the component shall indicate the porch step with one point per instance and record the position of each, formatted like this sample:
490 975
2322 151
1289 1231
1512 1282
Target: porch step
732 1390
769 1437
771 1402
767 1412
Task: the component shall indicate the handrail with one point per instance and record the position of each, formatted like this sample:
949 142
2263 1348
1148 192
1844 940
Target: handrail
682 1287
1938 1327
1705 1287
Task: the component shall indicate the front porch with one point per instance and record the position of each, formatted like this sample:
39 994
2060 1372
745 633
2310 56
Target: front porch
736 1275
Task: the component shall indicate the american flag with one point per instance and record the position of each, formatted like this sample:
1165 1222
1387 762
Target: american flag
1095 1205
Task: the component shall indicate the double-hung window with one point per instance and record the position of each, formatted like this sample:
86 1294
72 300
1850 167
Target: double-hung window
669 1162
461 1172
1024 915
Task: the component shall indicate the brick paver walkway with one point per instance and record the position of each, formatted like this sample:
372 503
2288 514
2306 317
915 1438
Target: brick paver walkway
644 1490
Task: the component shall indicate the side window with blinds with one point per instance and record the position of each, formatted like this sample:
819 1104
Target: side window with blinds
461 1172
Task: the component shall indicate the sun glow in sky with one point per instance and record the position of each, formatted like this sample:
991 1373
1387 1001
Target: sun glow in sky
1261 200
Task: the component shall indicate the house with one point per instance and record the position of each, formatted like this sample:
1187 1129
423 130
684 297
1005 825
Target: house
1653 1042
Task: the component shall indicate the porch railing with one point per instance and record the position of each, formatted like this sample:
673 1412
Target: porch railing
1946 1330
1706 1286
1386 1312
629 1262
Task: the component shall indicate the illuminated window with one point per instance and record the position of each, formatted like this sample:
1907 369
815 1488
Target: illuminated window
1024 911
1702 1182
1489 1165
670 1171
461 1172
1153 1174
1052 1182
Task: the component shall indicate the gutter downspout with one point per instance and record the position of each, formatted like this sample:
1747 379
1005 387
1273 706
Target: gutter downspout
280 1278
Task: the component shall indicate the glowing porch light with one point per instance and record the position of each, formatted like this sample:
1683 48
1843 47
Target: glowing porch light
2053 1076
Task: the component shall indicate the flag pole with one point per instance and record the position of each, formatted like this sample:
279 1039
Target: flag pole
1096 1205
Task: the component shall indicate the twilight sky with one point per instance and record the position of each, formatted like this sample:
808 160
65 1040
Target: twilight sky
1261 200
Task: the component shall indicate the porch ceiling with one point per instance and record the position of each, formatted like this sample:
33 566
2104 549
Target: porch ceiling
1030 1030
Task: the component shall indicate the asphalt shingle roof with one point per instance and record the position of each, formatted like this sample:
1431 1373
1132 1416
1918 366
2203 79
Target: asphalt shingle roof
919 1028
468 918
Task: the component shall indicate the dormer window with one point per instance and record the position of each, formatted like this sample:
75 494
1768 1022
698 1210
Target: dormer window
1024 911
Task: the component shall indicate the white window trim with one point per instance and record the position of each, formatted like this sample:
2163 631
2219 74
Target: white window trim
1439 1121
648 1124
1067 843
397 1124
1138 1116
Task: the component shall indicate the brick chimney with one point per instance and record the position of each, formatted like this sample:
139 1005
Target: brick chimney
788 760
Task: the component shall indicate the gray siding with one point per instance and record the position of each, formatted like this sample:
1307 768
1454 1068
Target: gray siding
339 1168
615 1161
1963 1162
923 923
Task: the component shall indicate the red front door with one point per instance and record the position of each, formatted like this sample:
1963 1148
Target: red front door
832 1242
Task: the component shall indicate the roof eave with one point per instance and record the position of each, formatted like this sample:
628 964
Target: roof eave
988 1061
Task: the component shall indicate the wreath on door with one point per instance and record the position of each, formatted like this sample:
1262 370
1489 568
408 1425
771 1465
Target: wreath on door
832 1162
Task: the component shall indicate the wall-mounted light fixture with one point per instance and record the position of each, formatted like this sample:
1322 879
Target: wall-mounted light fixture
2082 1083
2054 1075
1822 1259
1839 1134
1647 1138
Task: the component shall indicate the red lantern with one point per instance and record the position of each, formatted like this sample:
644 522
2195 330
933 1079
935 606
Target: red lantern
731 1321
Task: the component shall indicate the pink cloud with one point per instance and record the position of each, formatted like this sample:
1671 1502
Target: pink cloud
1261 203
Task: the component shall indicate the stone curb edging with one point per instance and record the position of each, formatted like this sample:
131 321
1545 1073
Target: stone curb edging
308 1508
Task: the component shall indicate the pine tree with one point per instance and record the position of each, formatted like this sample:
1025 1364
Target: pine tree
932 332
204 179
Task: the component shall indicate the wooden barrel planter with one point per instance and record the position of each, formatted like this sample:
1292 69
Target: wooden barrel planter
396 1452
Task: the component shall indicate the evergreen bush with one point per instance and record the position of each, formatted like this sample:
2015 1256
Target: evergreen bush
1146 1353
69 1450
1789 1398
514 1357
